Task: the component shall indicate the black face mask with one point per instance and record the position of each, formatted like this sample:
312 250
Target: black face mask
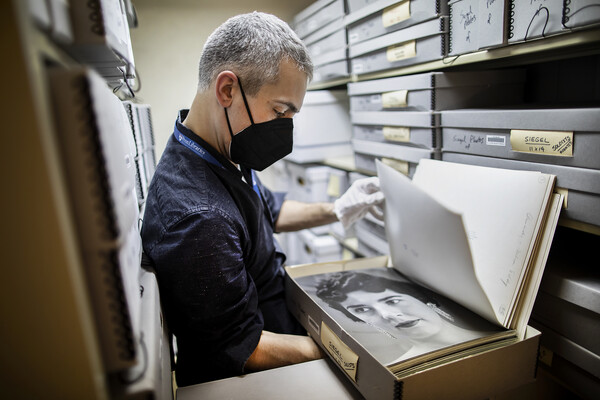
260 145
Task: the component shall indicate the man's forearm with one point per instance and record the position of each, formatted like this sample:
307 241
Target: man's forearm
277 350
295 215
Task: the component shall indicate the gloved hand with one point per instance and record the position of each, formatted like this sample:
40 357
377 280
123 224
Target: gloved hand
362 197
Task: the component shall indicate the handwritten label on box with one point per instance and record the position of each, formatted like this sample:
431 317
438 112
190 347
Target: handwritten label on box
551 143
395 99
396 133
395 14
402 51
339 351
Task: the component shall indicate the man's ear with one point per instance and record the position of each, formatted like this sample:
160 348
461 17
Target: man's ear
224 85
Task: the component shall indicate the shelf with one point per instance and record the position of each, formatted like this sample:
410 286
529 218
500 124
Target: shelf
560 46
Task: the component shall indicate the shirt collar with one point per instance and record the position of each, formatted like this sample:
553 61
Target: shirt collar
213 152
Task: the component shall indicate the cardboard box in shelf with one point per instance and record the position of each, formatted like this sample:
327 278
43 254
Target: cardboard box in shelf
416 44
434 91
574 15
569 350
317 15
318 248
477 376
385 16
581 186
100 37
531 20
324 119
477 24
411 154
565 136
366 163
413 128
329 40
329 72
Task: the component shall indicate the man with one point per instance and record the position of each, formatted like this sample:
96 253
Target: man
209 223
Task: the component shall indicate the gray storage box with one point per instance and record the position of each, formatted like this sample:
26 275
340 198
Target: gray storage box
534 19
416 44
400 157
439 91
366 164
317 16
580 13
385 16
355 5
476 24
554 136
582 185
569 297
330 48
327 72
418 128
508 366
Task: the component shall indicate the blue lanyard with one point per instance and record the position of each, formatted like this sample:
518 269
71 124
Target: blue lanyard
205 155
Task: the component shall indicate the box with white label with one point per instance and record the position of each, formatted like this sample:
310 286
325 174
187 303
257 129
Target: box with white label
434 91
552 136
413 128
317 15
385 16
534 19
476 24
416 44
476 376
401 158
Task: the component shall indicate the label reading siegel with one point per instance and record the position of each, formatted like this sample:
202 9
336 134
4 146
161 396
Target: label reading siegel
551 143
338 350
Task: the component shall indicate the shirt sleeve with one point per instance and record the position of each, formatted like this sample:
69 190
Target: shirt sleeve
209 297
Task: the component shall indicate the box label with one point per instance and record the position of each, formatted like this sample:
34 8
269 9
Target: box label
333 186
402 51
395 99
398 165
395 14
551 143
339 351
396 133
495 140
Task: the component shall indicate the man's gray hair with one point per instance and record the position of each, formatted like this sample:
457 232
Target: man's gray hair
252 46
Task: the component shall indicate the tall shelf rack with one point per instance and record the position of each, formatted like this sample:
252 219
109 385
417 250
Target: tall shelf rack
51 342
578 52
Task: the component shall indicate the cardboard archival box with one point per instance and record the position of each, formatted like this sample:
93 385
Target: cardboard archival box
446 315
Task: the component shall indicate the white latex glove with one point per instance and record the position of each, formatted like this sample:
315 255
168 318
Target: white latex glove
362 197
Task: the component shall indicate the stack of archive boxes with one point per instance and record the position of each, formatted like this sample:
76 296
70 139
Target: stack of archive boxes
563 142
567 311
321 27
140 120
483 24
388 34
397 120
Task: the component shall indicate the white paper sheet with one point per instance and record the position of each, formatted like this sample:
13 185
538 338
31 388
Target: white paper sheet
428 242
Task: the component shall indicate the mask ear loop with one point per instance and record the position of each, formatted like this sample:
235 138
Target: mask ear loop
245 101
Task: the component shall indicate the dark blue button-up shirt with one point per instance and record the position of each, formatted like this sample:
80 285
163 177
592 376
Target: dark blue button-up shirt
210 237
